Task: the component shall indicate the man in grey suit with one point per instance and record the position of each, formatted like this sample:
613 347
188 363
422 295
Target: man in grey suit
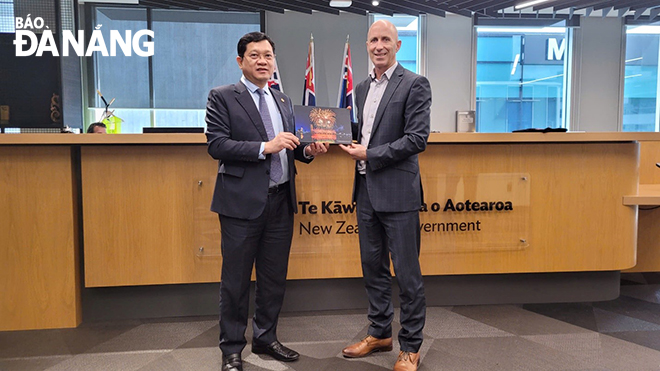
393 127
250 131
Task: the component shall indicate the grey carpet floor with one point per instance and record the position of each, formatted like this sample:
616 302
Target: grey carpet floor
623 334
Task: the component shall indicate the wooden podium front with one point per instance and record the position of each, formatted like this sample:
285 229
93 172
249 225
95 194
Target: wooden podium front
142 202
147 218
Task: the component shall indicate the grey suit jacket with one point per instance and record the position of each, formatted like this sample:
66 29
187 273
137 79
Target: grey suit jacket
234 132
400 131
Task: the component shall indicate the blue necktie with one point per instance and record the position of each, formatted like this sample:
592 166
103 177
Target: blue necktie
275 162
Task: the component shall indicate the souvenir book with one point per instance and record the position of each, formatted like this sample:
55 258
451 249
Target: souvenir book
323 124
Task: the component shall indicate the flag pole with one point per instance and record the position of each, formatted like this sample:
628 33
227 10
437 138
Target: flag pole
341 73
309 75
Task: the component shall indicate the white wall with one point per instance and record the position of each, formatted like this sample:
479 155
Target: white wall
449 67
597 80
291 32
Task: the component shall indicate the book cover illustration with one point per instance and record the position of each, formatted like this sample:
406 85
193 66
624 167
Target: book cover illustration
323 124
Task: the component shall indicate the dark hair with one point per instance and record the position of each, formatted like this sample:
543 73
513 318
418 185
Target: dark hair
252 37
91 127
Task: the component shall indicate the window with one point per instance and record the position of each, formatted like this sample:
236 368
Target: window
7 16
408 28
194 51
521 77
640 86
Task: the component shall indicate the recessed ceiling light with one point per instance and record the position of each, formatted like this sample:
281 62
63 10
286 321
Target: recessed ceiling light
375 3
340 3
527 4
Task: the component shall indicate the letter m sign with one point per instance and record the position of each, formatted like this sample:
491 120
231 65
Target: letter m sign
555 52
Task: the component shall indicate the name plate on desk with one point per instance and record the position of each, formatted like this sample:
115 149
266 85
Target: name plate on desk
480 212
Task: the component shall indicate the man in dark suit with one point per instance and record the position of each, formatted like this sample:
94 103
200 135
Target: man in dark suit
250 132
393 127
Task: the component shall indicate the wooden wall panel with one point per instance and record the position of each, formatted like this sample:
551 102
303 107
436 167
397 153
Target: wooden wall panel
578 222
139 212
39 281
147 220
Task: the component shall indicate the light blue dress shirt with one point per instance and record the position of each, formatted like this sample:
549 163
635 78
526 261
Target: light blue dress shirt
278 127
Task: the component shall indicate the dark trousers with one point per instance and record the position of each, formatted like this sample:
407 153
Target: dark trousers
396 234
264 242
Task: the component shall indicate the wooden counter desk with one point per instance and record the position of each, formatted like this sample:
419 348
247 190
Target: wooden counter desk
153 202
648 199
447 138
647 195
146 219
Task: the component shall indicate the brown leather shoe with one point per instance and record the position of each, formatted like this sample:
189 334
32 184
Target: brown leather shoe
367 346
407 361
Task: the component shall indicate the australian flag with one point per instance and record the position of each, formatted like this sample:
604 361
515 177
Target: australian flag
274 81
345 98
309 95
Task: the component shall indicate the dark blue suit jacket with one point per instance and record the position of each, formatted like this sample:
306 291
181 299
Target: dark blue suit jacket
234 133
400 131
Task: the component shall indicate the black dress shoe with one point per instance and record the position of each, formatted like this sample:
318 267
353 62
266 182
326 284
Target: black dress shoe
276 350
232 362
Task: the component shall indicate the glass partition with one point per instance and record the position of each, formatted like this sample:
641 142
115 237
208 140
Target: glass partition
521 77
194 51
640 86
